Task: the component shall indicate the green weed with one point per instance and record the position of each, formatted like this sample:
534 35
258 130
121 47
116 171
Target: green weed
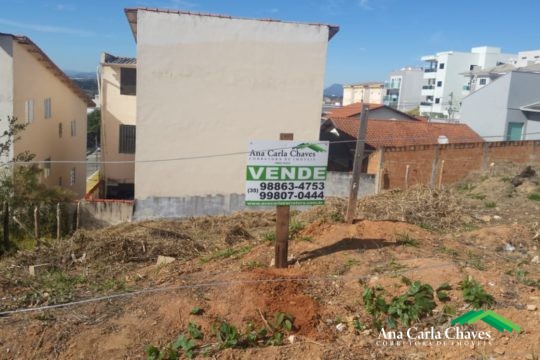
474 294
407 240
490 204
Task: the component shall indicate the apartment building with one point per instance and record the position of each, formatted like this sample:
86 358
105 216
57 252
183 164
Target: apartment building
369 92
118 90
444 83
403 88
506 109
39 94
202 80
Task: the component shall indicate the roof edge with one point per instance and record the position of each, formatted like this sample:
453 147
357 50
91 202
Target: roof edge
131 14
37 52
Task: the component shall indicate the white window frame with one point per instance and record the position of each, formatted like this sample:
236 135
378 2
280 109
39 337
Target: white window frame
72 177
47 167
47 108
73 128
29 111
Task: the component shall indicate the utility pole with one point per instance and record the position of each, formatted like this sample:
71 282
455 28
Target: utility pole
357 165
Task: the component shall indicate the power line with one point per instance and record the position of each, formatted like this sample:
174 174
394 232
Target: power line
199 157
203 285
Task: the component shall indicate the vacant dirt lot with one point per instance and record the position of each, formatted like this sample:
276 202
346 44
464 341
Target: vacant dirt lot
485 229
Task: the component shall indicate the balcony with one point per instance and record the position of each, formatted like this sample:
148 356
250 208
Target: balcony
426 103
430 70
428 90
392 85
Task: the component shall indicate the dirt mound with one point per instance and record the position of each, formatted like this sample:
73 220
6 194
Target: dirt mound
420 205
269 291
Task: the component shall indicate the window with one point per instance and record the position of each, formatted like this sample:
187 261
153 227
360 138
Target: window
439 83
47 111
514 131
73 128
60 130
483 81
29 111
128 81
472 67
72 177
441 66
126 141
47 167
437 100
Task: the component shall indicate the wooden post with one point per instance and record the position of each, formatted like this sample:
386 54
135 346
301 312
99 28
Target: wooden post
441 174
282 226
78 215
58 220
357 165
36 222
407 177
6 225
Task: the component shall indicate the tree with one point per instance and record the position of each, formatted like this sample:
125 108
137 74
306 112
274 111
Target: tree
20 185
94 129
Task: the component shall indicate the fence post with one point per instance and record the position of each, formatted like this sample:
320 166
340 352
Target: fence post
407 177
441 170
435 165
78 215
378 174
36 222
6 225
58 220
282 226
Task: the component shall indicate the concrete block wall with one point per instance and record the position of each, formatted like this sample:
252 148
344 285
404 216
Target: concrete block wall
426 161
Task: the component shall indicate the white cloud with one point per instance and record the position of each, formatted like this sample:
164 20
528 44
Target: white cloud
183 4
365 4
64 7
46 28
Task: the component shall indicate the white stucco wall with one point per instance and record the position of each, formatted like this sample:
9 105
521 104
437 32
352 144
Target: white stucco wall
485 110
208 85
116 110
6 83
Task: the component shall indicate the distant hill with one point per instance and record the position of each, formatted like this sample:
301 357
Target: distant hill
86 81
335 90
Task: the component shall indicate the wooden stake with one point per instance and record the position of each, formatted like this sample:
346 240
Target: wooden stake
282 226
441 173
6 225
407 177
357 165
78 215
58 218
36 222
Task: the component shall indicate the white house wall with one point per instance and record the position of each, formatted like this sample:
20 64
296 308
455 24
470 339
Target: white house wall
6 82
485 110
208 85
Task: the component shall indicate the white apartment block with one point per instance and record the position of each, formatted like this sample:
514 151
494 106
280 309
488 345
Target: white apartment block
403 89
370 92
444 83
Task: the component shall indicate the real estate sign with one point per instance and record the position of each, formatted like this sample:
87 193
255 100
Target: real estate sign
286 172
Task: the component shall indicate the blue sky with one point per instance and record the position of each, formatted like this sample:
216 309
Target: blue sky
376 36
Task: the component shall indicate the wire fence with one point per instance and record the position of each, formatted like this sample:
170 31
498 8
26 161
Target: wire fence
378 139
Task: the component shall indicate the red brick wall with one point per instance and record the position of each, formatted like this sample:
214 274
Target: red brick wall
459 160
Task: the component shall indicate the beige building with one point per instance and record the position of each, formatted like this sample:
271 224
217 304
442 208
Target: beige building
371 93
117 86
38 93
208 84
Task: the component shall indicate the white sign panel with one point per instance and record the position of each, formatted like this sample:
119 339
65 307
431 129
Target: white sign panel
286 172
